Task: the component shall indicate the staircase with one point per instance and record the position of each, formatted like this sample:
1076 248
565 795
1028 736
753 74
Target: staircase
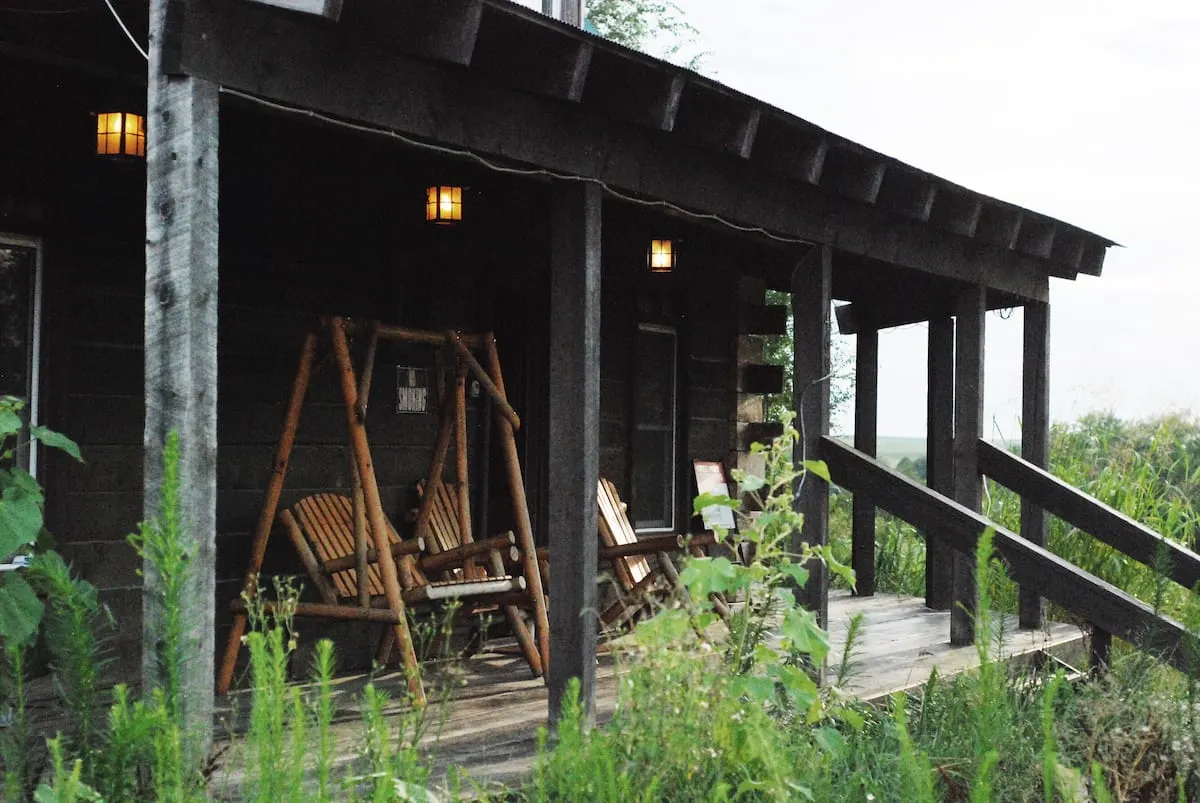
1110 610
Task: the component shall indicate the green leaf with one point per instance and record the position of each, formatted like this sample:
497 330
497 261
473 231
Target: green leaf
703 576
20 519
798 573
830 740
804 635
707 500
749 483
759 689
20 609
56 440
10 423
839 569
819 468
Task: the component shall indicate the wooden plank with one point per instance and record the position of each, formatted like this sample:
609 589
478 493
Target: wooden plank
1089 515
756 319
1059 581
812 286
968 429
329 9
866 423
574 442
181 364
1035 437
274 56
939 456
761 379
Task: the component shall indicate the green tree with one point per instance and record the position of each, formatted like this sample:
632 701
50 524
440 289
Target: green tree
648 25
777 350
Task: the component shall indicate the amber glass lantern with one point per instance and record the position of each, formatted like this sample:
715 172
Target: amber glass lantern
661 256
120 134
443 204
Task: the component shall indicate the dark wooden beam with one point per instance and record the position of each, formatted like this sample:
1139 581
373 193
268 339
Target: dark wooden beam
1035 437
763 379
1068 249
717 120
956 212
855 318
939 457
757 319
670 103
866 425
574 438
812 285
548 62
180 355
1108 608
240 46
1037 236
999 225
446 31
969 328
907 193
1090 515
853 174
329 9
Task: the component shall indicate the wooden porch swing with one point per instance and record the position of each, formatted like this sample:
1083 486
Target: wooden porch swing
359 565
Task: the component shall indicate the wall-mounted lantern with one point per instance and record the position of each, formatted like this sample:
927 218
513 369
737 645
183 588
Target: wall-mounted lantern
661 256
120 134
444 204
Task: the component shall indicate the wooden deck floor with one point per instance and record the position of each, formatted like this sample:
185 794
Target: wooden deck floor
489 716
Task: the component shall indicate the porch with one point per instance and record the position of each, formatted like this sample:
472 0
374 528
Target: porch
486 721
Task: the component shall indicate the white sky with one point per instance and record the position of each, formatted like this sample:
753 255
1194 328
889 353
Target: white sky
1087 110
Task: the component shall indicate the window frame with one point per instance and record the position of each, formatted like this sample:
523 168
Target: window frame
671 479
33 406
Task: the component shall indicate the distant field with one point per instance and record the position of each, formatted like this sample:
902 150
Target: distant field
893 450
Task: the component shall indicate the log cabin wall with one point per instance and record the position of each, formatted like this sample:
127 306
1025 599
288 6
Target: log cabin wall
314 221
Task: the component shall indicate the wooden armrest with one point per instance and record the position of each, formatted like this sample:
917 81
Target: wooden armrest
412 546
452 558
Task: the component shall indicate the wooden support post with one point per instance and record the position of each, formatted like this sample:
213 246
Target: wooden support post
266 518
968 429
939 457
812 284
520 508
461 463
574 443
1100 651
1035 437
375 515
866 409
181 369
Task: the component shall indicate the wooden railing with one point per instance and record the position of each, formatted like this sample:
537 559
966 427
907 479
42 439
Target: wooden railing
1090 515
1107 607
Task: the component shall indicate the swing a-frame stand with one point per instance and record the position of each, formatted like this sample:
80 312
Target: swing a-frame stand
404 571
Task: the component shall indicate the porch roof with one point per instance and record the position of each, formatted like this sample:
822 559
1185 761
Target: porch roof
500 80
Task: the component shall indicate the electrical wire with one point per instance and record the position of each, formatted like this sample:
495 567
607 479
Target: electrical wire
499 168
128 35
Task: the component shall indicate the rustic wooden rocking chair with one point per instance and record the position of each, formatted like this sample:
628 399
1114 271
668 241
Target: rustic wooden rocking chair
636 582
389 567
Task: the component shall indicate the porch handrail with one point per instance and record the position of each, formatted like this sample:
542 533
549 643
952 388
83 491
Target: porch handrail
1105 606
1089 514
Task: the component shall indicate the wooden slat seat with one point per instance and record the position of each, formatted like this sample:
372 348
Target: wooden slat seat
478 569
328 521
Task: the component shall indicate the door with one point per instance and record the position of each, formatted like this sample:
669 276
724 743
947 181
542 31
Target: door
20 332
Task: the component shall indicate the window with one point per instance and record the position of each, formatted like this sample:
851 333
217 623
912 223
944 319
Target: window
654 428
20 325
